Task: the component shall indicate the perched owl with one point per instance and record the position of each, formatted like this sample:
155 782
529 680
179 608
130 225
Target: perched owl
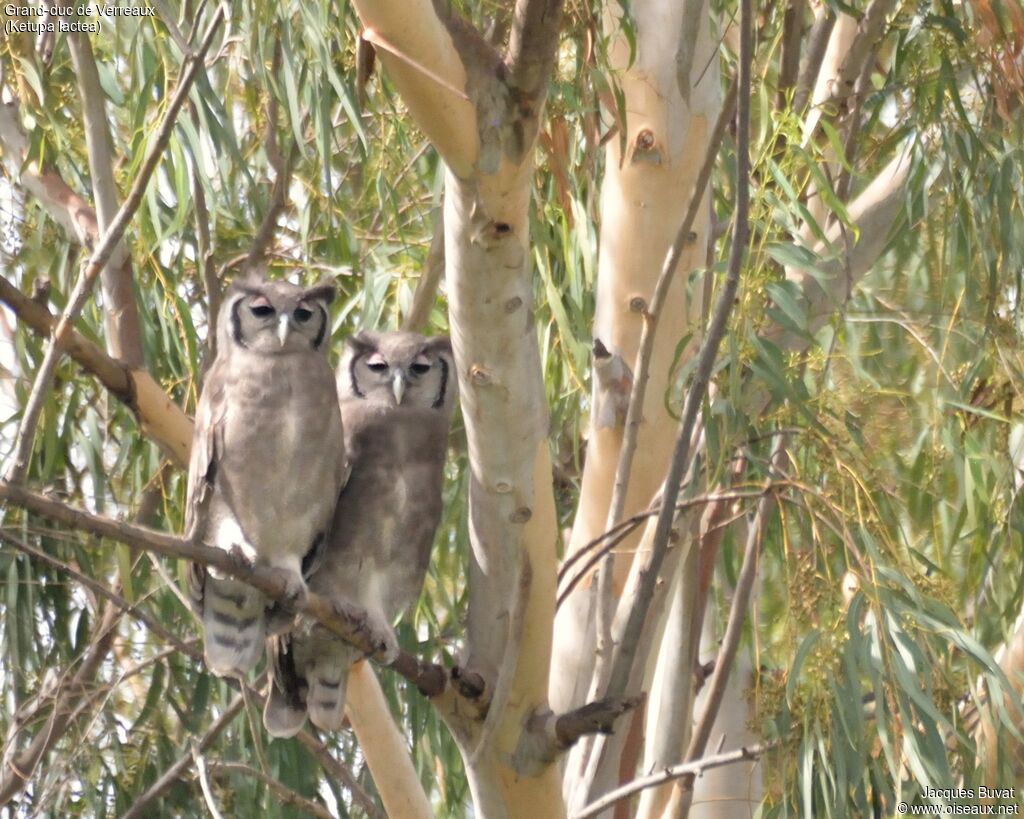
267 457
397 394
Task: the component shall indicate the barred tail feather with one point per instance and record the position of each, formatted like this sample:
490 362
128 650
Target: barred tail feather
233 619
327 678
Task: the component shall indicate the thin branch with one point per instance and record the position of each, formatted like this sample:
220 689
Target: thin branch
792 37
430 280
340 773
204 782
625 655
284 794
431 679
141 807
615 536
121 314
817 45
44 378
645 352
737 611
97 588
675 772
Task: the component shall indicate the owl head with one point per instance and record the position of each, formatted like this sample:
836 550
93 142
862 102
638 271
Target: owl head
398 370
275 318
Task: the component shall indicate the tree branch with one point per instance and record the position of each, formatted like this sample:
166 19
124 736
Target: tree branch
536 25
430 279
350 626
121 313
159 417
674 772
737 612
624 657
44 378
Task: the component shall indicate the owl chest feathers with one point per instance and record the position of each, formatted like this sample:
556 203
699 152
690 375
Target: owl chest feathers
281 446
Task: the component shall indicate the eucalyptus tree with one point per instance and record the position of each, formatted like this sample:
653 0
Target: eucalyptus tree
734 298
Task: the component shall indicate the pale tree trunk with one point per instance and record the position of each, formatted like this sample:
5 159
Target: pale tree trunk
481 111
671 99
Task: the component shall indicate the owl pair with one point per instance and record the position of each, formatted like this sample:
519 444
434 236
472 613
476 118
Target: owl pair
334 483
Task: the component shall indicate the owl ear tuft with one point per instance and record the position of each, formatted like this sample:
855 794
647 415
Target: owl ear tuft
324 291
439 344
361 342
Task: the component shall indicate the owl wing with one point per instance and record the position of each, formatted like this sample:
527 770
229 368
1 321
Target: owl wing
202 468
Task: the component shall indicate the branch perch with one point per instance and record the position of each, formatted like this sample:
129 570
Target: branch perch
429 678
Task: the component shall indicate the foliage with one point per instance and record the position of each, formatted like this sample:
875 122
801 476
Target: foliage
897 414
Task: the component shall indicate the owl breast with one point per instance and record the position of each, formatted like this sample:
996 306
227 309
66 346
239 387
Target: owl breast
384 526
275 467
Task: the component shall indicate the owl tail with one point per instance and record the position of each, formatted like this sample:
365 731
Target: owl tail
284 711
233 618
327 677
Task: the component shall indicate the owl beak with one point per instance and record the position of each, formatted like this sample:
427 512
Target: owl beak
283 328
398 386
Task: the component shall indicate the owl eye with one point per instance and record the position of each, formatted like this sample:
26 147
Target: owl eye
302 315
261 308
377 363
419 368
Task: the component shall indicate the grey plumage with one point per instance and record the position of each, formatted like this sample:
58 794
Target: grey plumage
397 392
267 458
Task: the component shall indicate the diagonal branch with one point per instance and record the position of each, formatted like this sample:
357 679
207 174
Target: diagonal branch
350 626
674 772
124 338
159 417
44 378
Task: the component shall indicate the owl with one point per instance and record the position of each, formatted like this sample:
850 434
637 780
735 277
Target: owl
267 461
397 393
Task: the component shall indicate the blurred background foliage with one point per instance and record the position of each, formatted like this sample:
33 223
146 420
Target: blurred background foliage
894 564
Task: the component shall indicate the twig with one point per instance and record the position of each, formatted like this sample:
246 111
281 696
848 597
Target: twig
340 773
737 612
141 806
97 588
44 379
634 413
204 782
624 658
592 718
285 794
675 772
623 530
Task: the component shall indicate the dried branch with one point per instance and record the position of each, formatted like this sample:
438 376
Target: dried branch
21 768
44 378
792 37
141 807
674 772
592 718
